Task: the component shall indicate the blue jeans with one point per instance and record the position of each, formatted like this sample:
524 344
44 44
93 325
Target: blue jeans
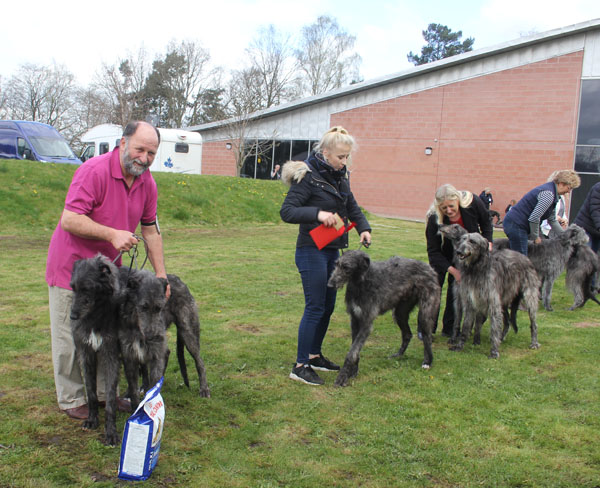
315 268
517 236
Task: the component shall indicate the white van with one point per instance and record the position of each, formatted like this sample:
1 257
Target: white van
180 151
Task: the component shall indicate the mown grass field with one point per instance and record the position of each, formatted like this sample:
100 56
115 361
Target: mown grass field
528 419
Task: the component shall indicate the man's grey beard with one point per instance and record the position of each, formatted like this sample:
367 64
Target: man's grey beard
130 167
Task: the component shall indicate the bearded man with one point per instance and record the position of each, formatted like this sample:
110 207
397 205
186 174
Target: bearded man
108 197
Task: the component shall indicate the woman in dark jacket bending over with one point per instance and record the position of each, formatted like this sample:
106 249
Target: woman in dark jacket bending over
589 216
319 189
453 207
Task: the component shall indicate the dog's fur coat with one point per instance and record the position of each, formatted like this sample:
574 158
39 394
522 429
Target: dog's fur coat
582 266
454 232
491 281
550 257
373 288
95 323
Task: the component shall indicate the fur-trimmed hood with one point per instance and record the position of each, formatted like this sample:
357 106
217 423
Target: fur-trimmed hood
294 171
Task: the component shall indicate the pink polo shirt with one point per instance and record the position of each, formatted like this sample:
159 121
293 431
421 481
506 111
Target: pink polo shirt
99 191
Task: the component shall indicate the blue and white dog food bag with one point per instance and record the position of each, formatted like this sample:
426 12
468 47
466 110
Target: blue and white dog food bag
141 439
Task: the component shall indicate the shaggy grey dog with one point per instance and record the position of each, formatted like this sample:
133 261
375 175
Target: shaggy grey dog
582 267
142 333
454 232
491 281
95 323
549 257
145 316
373 288
181 310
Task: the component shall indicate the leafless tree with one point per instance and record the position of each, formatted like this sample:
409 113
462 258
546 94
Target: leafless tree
326 56
123 84
40 93
273 66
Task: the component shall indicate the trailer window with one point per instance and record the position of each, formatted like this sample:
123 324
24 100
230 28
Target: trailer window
103 148
182 147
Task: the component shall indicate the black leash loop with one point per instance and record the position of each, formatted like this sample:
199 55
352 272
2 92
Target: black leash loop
366 245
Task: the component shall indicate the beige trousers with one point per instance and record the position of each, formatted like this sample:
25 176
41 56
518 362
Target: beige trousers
68 378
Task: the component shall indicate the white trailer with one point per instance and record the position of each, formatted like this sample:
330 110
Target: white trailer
180 151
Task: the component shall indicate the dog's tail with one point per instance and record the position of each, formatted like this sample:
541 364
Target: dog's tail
181 360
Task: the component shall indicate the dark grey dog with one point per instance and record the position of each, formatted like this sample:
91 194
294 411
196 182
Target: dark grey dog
491 281
549 257
373 288
145 317
454 232
181 309
142 333
95 323
582 266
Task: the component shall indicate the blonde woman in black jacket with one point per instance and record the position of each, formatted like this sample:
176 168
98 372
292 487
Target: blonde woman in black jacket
452 206
319 189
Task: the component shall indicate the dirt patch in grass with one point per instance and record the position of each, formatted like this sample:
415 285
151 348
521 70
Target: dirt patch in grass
586 325
252 329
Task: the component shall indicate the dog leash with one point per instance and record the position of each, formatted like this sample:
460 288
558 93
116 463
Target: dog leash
133 253
366 245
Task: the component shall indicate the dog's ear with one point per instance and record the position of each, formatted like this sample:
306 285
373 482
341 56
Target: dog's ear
363 263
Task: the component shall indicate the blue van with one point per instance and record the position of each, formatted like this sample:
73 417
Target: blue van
20 139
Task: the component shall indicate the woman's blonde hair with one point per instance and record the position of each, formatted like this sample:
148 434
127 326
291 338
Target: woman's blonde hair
336 136
448 192
566 176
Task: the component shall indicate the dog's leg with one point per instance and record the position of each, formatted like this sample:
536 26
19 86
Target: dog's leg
181 358
111 375
458 312
190 338
400 314
132 371
531 304
479 321
350 367
495 327
469 318
89 366
547 294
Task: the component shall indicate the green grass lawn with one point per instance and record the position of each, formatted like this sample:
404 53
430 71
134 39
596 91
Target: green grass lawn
528 419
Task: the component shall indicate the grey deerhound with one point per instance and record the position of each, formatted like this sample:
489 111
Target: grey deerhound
373 288
142 334
145 316
454 232
582 267
95 323
549 257
491 281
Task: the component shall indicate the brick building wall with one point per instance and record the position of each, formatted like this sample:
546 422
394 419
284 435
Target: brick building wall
217 159
507 130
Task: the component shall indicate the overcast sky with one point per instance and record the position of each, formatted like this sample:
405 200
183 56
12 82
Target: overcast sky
81 34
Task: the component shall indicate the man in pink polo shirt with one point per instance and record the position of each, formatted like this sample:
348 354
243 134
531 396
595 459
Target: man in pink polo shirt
109 196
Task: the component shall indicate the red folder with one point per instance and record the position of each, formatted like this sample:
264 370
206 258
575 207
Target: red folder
324 235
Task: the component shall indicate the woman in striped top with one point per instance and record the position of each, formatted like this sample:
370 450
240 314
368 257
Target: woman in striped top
523 220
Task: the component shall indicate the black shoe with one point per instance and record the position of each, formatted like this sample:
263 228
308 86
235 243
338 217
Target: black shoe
305 374
321 363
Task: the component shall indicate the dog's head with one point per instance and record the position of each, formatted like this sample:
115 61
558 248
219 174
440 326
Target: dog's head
351 265
453 232
575 235
94 281
145 297
470 248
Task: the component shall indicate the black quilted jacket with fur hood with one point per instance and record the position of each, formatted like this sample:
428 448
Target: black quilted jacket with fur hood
315 186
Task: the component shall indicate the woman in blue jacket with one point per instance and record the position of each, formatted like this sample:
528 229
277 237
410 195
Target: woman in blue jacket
319 189
523 220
